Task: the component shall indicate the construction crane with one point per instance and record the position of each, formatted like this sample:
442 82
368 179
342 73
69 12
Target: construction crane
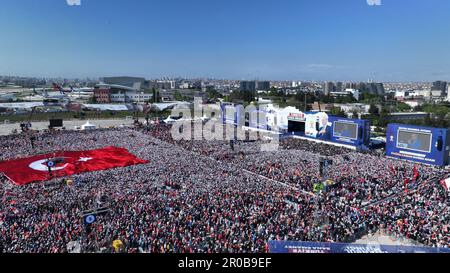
135 114
26 126
33 109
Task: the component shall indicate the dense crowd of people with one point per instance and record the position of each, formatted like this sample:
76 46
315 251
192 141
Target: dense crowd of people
203 196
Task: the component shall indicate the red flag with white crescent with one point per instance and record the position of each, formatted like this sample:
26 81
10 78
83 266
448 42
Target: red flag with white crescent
34 169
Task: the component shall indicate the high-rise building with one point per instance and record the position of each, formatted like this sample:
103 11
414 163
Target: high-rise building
124 81
372 88
339 87
263 85
328 88
448 92
379 87
351 85
362 87
439 86
198 85
248 86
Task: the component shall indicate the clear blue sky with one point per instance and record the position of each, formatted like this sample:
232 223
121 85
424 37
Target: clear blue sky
401 40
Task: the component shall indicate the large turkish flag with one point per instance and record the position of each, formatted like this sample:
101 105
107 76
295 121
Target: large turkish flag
33 169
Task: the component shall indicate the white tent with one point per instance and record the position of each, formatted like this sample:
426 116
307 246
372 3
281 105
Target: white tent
88 126
279 117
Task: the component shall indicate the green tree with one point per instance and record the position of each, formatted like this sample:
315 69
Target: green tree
213 94
177 96
440 116
325 98
92 100
403 107
384 117
337 111
273 92
373 110
367 97
245 96
154 97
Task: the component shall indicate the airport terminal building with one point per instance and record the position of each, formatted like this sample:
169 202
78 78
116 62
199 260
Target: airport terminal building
110 93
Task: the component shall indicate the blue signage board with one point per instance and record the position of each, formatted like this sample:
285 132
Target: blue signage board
418 144
313 247
355 132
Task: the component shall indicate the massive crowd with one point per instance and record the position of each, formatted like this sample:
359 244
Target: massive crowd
198 196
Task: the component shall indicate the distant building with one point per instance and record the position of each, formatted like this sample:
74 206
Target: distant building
197 85
109 93
248 86
171 84
426 94
375 88
151 84
354 107
263 85
437 93
372 88
413 103
439 86
102 95
208 88
353 92
351 85
448 93
328 88
401 95
184 85
407 115
125 81
254 86
323 107
131 96
339 87
380 88
166 85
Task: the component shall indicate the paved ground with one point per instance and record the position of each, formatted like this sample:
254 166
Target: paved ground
6 129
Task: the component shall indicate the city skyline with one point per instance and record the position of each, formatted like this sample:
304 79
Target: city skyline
399 41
